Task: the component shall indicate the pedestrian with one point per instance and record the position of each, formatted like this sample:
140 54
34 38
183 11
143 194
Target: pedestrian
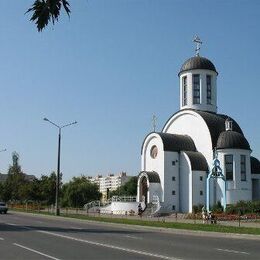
139 209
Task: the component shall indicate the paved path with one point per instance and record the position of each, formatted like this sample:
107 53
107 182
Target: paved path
27 236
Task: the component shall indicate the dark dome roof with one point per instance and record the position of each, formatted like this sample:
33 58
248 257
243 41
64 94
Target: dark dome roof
232 140
255 165
197 62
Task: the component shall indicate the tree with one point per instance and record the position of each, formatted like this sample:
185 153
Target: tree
47 188
45 11
128 189
14 184
78 192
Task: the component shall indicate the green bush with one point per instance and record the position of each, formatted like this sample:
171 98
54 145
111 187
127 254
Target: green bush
217 208
197 208
244 207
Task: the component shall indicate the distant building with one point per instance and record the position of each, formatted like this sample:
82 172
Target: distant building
110 182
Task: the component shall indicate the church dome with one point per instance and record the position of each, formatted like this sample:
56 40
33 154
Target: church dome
197 62
232 140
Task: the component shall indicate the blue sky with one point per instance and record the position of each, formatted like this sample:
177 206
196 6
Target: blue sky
111 66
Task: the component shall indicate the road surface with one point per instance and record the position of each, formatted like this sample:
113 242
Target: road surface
27 236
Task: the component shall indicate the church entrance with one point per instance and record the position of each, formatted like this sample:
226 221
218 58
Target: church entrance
144 189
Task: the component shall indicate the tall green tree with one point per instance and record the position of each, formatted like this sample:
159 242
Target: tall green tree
15 182
45 11
79 191
47 188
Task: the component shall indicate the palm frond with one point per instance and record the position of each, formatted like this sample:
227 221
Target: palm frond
44 11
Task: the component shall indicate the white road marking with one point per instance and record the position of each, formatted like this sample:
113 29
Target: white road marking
133 237
1 238
233 251
35 251
110 246
76 228
11 224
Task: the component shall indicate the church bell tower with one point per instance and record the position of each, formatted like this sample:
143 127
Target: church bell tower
198 83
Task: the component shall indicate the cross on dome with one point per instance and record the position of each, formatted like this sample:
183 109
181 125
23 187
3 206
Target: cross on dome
154 120
198 42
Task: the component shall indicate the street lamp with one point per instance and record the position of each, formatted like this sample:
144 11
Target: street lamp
57 208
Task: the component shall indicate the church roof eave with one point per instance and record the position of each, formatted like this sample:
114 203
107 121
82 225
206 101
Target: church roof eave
174 142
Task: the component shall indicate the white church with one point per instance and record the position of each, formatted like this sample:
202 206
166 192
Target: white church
176 162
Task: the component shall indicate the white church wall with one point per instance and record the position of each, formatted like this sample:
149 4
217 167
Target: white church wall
154 164
171 180
199 188
236 189
185 184
192 124
155 189
203 90
124 207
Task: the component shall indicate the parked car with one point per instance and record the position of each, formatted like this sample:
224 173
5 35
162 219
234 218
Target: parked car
3 208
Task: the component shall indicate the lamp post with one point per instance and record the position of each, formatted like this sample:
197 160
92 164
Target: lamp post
57 208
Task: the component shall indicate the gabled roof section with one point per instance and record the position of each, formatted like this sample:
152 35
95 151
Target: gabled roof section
177 143
197 160
153 177
174 142
255 165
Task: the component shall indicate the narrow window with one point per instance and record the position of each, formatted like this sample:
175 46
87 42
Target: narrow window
201 193
201 178
173 192
173 207
173 163
209 90
173 178
229 167
243 167
184 90
196 88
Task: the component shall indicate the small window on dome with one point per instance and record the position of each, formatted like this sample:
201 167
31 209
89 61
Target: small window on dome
243 167
184 91
196 88
209 90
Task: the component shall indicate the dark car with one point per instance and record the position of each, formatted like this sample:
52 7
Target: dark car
3 208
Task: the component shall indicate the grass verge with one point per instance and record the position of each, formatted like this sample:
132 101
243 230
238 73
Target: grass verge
161 224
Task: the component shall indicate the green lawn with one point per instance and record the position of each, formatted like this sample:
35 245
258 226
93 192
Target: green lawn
161 224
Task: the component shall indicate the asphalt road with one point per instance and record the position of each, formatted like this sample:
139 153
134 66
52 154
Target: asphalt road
26 236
